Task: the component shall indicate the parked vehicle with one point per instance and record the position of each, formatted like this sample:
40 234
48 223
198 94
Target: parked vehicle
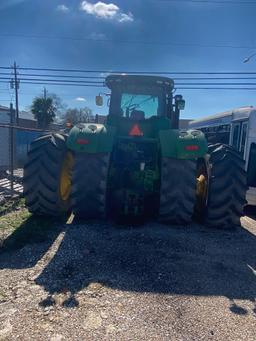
138 165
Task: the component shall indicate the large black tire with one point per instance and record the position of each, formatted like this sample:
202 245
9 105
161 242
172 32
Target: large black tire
89 185
227 187
42 174
178 191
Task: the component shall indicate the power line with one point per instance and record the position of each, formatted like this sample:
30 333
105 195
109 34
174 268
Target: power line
210 84
178 87
211 88
213 2
141 42
141 72
133 72
206 83
52 75
65 84
49 81
103 78
101 83
54 80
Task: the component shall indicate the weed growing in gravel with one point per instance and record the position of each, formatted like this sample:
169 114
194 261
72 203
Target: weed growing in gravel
11 205
19 228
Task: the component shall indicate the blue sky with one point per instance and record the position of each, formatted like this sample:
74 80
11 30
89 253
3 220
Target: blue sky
170 35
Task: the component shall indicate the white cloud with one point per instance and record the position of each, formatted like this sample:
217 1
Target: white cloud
80 99
103 10
125 17
100 9
62 8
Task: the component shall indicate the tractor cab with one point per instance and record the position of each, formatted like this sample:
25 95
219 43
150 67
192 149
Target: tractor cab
142 100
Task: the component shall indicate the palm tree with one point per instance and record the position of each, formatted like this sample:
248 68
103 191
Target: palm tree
44 111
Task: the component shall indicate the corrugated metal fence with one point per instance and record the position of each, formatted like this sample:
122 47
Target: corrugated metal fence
14 145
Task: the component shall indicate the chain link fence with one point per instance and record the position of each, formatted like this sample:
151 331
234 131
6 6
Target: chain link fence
14 144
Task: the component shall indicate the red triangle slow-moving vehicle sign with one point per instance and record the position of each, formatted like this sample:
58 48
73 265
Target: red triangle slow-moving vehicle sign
135 131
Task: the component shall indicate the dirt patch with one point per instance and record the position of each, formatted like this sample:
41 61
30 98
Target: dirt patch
96 281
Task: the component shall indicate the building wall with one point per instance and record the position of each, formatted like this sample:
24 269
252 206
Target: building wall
4 139
4 147
4 117
26 123
183 124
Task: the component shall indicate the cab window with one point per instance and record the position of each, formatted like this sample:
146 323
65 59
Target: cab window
142 105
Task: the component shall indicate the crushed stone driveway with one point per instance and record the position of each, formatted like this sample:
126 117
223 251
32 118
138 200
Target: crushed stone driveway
96 281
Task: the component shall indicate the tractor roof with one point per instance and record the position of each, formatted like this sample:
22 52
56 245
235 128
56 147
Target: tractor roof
139 80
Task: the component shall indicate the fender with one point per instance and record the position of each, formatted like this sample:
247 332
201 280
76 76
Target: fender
183 144
91 138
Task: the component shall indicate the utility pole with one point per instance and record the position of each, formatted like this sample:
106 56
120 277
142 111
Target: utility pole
11 145
45 93
45 97
16 87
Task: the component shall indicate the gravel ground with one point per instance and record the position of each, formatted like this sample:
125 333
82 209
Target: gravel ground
97 281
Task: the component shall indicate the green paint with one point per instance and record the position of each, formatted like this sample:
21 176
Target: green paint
149 127
97 138
174 144
91 138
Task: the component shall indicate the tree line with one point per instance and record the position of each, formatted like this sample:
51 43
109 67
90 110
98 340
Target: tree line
48 109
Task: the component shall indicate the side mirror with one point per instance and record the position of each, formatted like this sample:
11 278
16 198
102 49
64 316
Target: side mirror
99 101
179 102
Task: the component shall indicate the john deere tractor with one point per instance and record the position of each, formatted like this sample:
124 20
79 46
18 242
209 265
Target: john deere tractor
137 165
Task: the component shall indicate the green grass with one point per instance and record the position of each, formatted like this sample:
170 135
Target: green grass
13 220
19 228
11 205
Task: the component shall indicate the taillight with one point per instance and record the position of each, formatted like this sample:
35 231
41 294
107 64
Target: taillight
82 141
192 147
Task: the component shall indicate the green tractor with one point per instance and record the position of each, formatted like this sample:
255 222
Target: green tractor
136 166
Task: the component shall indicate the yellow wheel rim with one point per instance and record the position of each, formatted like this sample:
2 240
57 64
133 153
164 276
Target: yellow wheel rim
201 188
65 178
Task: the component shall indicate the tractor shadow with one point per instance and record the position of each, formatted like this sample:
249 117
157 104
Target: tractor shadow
154 258
250 211
34 233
